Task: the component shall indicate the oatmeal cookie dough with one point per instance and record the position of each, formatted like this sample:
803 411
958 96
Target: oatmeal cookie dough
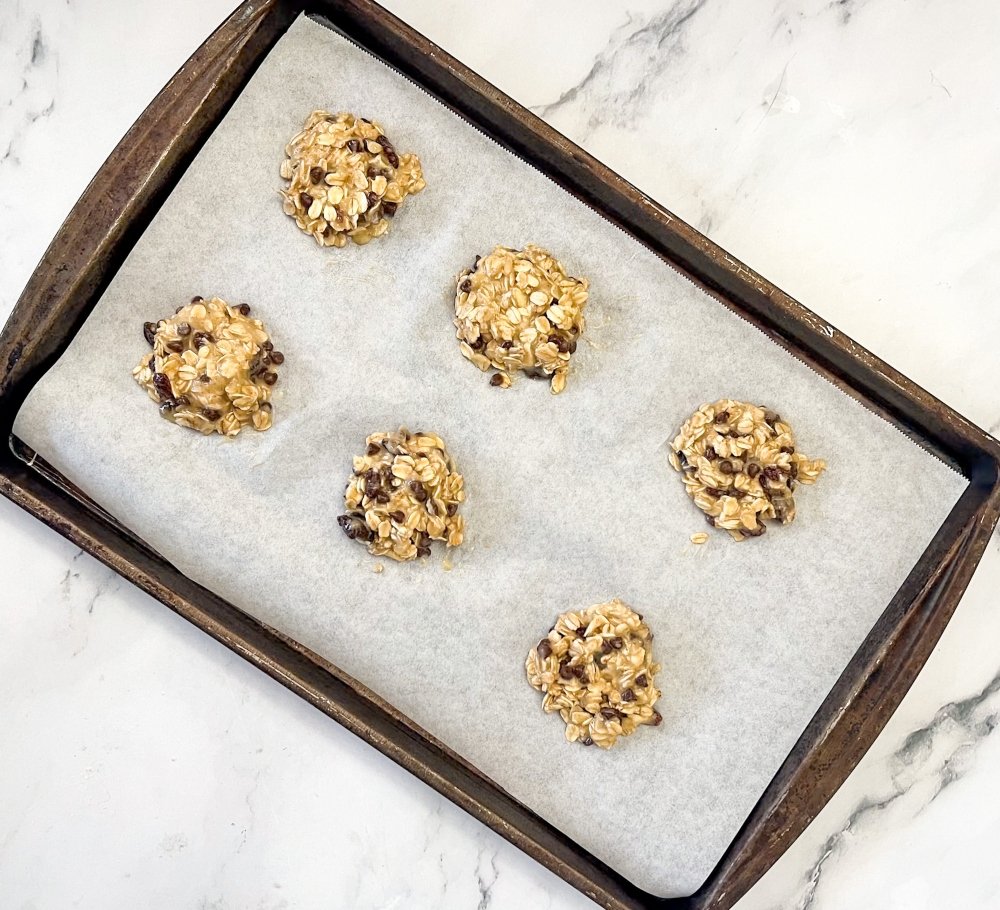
212 367
405 492
740 466
596 669
519 310
345 179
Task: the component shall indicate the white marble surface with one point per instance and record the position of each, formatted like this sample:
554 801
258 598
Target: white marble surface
848 150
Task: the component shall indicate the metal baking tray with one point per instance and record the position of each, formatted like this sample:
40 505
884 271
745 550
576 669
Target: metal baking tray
120 202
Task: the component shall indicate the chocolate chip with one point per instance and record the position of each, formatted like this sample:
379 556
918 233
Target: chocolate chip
354 145
628 695
270 378
560 342
204 377
726 467
354 527
496 379
544 648
419 493
772 472
175 347
580 673
465 286
306 200
383 141
398 516
711 454
243 309
451 509
381 497
506 345
423 551
565 670
391 157
268 345
770 417
753 470
609 713
373 199
722 417
373 449
277 357
587 741
328 230
210 414
183 329
316 174
788 450
477 261
161 382
149 332
657 718
714 492
617 643
197 299
642 681
711 521
606 647
389 208
201 338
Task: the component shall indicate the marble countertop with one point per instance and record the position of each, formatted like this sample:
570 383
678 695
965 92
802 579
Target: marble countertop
848 150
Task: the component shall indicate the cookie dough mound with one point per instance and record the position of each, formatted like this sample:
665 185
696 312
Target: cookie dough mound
405 492
345 179
596 669
740 466
212 368
519 310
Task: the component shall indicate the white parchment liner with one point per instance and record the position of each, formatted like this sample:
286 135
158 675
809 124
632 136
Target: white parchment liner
570 498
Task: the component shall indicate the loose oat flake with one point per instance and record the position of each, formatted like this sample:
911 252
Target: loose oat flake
404 493
596 669
345 179
212 367
519 310
740 466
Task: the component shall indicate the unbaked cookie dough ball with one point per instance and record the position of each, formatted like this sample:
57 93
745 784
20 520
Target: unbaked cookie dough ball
596 669
345 179
404 494
519 310
212 367
740 466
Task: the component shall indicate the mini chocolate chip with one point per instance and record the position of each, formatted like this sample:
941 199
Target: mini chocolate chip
617 643
770 417
465 286
210 413
628 695
753 470
182 401
423 551
714 492
561 345
544 648
711 521
204 377
383 141
161 382
197 299
642 681
316 174
354 527
788 450
268 345
587 741
398 516
419 493
243 309
478 344
381 497
451 509
175 347
726 467
554 301
657 718
606 647
565 671
506 345
772 472
354 145
711 454
183 329
306 200
391 157
609 713
722 417
277 357
201 338
270 378
496 379
149 332
389 208
580 673
373 449
373 199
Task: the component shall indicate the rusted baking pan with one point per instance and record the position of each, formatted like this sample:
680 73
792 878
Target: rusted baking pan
119 204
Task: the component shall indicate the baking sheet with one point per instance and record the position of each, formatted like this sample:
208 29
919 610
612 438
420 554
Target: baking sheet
571 501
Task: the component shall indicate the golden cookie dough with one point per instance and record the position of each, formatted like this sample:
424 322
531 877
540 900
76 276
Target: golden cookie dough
596 669
740 466
345 179
405 493
212 367
519 310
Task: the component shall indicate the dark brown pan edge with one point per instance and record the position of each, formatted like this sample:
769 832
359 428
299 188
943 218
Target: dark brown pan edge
118 205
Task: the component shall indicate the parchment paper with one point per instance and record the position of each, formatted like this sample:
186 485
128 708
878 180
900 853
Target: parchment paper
570 499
